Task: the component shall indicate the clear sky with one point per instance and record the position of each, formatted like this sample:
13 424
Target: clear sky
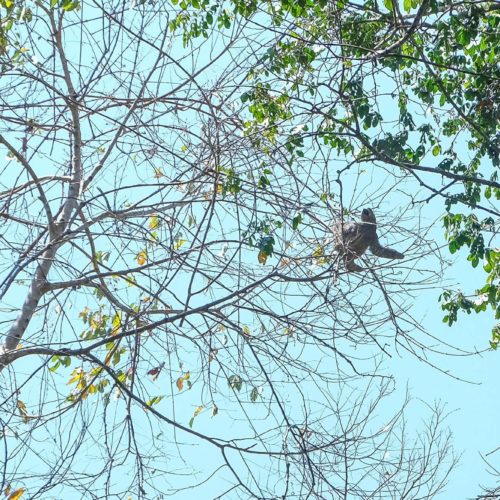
472 402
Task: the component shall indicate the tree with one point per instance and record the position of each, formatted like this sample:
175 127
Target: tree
171 181
438 62
490 493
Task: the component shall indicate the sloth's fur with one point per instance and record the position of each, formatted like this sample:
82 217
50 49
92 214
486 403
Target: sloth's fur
354 238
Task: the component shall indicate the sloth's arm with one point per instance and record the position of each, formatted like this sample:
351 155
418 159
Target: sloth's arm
351 266
387 253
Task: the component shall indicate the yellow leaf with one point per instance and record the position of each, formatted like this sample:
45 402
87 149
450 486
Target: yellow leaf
154 222
84 314
95 321
198 411
246 330
15 495
180 381
117 323
179 243
22 410
142 257
158 173
318 251
219 188
76 375
262 257
96 371
319 255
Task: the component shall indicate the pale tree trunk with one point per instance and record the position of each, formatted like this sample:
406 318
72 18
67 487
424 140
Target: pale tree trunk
35 293
56 228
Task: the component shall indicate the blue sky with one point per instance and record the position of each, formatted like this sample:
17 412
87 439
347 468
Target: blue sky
473 406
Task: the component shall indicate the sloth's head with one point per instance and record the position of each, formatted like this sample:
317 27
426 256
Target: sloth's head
367 215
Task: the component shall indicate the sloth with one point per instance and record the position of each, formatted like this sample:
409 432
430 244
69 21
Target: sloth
353 239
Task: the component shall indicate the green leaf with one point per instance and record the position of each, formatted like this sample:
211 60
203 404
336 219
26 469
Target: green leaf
235 382
154 400
254 395
296 221
73 6
69 5
54 367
